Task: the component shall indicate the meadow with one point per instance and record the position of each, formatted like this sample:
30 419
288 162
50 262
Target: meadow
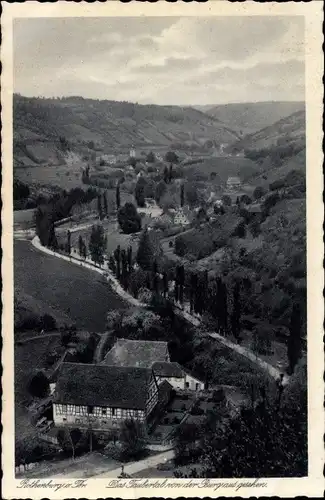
62 288
64 176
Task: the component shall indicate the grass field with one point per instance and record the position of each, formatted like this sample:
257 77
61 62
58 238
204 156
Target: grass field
23 219
80 294
64 176
224 167
114 236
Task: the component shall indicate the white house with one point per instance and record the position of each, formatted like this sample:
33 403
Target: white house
233 183
101 397
176 376
181 218
132 152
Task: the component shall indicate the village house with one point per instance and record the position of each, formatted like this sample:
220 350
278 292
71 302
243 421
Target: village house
101 397
181 217
176 376
110 159
233 183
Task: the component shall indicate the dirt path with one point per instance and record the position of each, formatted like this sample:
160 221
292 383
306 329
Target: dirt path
21 339
270 369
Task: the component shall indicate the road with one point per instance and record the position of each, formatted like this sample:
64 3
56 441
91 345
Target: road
135 467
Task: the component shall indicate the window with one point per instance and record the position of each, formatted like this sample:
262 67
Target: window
104 411
78 420
90 409
196 387
113 412
187 384
64 419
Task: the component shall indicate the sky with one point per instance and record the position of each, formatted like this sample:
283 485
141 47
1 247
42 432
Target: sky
161 60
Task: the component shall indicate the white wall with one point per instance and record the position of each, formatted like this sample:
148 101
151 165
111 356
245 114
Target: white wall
175 382
193 383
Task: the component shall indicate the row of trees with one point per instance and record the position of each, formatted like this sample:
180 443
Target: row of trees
223 302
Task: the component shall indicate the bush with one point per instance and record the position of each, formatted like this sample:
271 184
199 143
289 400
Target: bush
39 385
129 219
48 323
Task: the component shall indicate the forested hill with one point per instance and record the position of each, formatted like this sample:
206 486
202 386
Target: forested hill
39 122
247 118
288 130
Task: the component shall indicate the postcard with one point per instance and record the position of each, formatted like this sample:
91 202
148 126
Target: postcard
162 249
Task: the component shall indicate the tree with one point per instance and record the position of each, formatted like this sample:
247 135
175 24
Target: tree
294 339
258 192
139 192
129 219
130 259
146 251
181 281
193 287
150 189
69 242
165 284
132 439
52 240
118 197
170 173
99 207
38 385
201 215
105 204
191 194
166 175
124 273
182 195
281 432
68 440
97 244
80 245
186 446
117 257
226 200
171 157
151 157
245 199
235 317
48 322
160 190
132 161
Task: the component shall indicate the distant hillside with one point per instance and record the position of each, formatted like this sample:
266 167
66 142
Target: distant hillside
105 126
291 129
247 118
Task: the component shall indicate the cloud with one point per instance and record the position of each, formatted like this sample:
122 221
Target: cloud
189 60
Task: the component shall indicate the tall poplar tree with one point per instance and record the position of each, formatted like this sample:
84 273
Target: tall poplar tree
294 339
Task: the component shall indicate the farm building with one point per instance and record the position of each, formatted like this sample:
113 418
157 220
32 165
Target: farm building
101 397
140 353
176 376
181 217
233 183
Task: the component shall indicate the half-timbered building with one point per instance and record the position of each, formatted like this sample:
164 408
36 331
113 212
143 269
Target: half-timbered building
101 397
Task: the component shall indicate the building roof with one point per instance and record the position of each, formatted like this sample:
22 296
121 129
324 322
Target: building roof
255 208
101 385
165 369
141 353
233 180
